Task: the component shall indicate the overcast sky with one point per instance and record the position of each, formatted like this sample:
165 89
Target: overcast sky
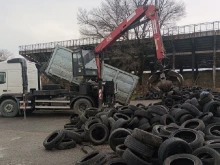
35 21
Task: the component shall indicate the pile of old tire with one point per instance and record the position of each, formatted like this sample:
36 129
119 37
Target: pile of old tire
62 140
150 96
186 133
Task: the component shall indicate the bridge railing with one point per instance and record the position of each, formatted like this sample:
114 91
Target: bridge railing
187 29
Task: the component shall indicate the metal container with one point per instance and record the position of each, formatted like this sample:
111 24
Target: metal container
67 64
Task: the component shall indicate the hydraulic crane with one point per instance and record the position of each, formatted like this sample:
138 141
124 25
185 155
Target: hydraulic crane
159 79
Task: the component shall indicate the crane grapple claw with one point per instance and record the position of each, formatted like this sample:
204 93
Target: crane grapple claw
164 81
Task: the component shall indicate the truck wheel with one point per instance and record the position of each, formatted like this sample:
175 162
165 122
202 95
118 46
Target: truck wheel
81 105
9 108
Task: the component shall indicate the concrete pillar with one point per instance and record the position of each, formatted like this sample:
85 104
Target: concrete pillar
214 61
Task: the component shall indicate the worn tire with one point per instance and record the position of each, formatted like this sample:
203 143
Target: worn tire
53 139
191 108
9 108
120 149
195 124
80 103
171 147
116 161
66 144
98 133
193 137
74 136
202 152
132 158
121 116
118 133
120 123
183 159
138 147
147 138
216 141
166 120
93 158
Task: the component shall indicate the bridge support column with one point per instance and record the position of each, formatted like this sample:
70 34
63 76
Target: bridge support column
214 62
174 55
193 59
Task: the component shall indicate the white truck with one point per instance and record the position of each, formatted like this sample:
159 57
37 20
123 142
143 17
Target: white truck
19 76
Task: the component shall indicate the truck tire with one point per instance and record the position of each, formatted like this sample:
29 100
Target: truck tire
9 108
81 105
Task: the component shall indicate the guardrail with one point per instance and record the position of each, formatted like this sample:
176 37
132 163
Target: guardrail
187 29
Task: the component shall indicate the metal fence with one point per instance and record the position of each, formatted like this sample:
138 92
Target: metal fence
187 29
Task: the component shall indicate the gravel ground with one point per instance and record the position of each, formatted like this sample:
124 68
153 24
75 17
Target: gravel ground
21 140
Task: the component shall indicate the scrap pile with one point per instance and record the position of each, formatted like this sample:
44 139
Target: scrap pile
183 129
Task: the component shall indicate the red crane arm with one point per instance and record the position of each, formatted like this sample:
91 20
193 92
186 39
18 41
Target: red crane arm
151 13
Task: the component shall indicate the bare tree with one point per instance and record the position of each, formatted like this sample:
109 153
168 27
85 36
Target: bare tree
100 21
4 54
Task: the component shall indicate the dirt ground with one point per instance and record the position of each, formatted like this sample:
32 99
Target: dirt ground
21 141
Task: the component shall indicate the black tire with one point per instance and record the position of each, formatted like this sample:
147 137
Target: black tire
9 108
111 122
191 108
145 127
74 136
173 111
184 159
181 113
195 124
169 102
53 139
166 120
111 112
116 134
185 118
204 152
132 158
120 149
206 117
142 113
133 123
74 118
116 161
171 147
193 137
169 129
215 147
147 138
216 141
212 107
133 107
210 130
98 133
120 123
91 111
81 105
89 123
104 120
117 116
142 121
93 158
66 144
138 147
156 109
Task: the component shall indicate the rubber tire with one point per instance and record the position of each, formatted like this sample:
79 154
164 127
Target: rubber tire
170 160
117 116
171 147
53 139
120 149
138 147
120 123
169 129
199 124
91 111
195 143
166 120
116 161
215 147
147 138
95 127
74 136
209 133
80 101
132 158
191 108
185 118
93 158
209 151
89 123
216 141
66 144
15 109
117 133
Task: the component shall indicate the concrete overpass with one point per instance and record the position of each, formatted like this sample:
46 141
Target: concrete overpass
188 47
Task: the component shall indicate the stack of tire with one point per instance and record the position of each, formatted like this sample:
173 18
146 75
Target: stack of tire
186 133
150 96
